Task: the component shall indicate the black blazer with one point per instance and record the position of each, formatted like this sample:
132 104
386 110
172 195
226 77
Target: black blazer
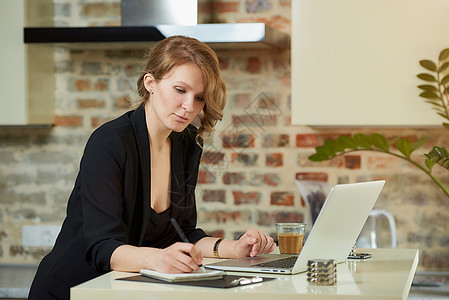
110 203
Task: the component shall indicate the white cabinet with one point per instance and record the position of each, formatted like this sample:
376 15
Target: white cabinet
26 75
354 62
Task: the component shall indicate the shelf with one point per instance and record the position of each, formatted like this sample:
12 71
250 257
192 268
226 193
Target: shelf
218 36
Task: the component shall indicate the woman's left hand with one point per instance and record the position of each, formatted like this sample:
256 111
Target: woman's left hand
253 243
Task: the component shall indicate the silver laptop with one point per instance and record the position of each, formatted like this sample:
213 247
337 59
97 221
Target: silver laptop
332 237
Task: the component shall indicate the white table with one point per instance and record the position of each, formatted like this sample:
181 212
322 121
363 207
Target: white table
387 275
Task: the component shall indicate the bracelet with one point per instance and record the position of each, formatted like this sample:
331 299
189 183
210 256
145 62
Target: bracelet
217 243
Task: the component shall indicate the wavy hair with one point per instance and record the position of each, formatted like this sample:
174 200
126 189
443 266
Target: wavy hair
178 50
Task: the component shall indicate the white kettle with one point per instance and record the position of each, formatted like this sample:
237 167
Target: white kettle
379 231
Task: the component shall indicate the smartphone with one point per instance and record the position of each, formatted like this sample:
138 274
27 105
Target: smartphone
359 256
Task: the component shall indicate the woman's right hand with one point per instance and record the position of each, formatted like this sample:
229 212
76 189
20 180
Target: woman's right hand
177 258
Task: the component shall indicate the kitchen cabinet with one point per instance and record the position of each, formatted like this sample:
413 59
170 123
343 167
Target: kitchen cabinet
354 62
26 80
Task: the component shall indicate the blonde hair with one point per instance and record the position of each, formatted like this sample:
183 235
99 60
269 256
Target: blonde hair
178 50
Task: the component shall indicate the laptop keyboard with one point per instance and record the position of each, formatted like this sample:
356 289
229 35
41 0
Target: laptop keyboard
287 262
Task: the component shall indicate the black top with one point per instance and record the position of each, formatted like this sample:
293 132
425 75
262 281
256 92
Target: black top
110 203
160 232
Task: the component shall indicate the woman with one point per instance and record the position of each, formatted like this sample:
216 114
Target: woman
140 170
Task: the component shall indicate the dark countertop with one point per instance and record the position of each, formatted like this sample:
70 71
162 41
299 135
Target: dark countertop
15 280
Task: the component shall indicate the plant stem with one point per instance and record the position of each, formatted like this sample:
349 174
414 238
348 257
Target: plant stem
427 171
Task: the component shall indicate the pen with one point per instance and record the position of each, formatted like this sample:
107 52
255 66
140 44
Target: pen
183 237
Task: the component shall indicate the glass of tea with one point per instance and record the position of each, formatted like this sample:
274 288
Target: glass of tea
290 237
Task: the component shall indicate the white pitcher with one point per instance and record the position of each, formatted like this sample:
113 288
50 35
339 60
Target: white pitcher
374 235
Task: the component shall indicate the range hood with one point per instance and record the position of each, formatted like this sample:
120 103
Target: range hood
217 35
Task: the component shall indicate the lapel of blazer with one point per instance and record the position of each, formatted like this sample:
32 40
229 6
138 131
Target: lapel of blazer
177 193
143 148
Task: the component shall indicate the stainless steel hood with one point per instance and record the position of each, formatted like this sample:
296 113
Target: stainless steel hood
145 21
218 36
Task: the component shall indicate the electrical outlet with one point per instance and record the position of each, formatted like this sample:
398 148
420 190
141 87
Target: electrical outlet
39 236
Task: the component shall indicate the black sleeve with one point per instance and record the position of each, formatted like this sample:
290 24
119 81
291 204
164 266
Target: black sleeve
102 177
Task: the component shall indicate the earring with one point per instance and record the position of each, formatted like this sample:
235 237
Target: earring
151 92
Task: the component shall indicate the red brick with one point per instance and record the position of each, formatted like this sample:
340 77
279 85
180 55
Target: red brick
123 102
204 177
212 157
244 159
68 121
288 217
97 121
214 196
226 7
101 85
383 162
217 233
277 22
269 179
307 140
90 103
224 63
352 161
286 3
241 100
204 7
252 120
100 9
234 178
274 160
282 198
221 216
246 198
312 176
269 219
276 140
82 85
239 140
253 65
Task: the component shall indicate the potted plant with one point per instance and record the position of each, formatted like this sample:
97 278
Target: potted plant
435 92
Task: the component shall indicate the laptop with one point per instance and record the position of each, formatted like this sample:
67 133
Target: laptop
333 235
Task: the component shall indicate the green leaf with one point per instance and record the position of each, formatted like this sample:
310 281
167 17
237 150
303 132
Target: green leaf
436 102
439 155
428 64
418 144
446 125
394 140
404 146
444 115
346 142
379 141
318 157
332 146
445 79
427 87
427 77
324 151
429 164
428 95
444 54
362 140
444 66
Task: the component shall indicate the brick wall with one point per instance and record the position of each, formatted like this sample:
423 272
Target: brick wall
248 171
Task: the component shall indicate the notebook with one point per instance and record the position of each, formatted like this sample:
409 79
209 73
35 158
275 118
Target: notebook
178 277
333 235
